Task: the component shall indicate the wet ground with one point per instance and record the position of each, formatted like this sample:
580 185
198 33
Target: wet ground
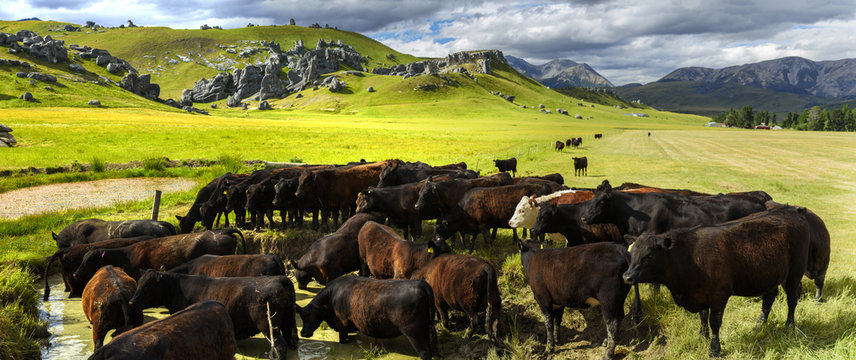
71 334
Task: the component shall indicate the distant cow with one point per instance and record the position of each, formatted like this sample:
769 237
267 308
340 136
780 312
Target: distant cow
165 252
386 255
636 213
703 266
105 303
482 209
598 136
71 257
576 142
466 283
559 146
578 277
94 230
580 166
568 142
333 255
375 308
232 266
202 331
254 303
506 165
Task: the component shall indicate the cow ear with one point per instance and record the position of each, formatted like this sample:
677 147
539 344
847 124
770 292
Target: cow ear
666 242
162 268
629 239
180 218
54 235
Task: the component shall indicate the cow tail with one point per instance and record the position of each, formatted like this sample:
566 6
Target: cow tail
432 331
637 306
238 232
126 311
47 268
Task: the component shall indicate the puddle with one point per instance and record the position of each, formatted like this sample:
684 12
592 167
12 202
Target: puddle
71 334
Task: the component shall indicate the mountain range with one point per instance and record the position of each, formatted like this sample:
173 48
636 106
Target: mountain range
560 73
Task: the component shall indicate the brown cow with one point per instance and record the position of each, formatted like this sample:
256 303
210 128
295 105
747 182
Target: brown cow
202 331
386 255
333 255
466 283
70 259
232 266
165 252
105 303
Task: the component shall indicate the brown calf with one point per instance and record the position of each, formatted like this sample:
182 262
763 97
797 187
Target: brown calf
386 255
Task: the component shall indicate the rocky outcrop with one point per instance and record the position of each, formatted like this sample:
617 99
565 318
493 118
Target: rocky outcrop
452 63
333 84
47 49
205 91
6 139
42 77
141 85
104 59
264 106
27 96
94 103
77 68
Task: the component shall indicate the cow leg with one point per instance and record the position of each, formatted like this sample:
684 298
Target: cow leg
548 325
703 316
217 219
416 229
474 323
493 234
793 288
98 335
343 336
715 324
443 311
637 306
485 235
270 217
522 233
419 335
818 283
557 322
226 218
514 232
611 332
766 305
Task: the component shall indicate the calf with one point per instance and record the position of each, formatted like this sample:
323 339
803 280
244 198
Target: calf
580 166
260 202
398 204
818 249
559 146
565 220
165 252
484 208
202 331
598 136
386 255
232 266
636 213
94 230
255 304
506 165
465 283
333 255
526 212
578 277
211 210
375 308
105 303
750 256
194 215
71 257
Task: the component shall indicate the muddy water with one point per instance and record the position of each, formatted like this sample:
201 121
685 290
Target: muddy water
71 334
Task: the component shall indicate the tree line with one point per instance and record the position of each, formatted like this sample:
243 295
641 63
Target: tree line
813 119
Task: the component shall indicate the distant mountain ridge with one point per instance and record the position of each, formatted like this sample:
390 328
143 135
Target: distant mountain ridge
828 79
560 73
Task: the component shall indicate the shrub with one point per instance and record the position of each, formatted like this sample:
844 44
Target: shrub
231 163
295 159
154 164
97 164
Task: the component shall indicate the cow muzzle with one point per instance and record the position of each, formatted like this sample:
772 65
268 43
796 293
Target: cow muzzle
630 277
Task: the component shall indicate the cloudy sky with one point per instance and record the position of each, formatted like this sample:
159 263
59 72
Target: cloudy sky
626 41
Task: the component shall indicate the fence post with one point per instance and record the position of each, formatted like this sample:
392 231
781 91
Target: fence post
156 205
518 151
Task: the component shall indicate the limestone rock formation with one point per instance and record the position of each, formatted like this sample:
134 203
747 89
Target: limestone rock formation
141 85
264 106
42 77
94 103
6 139
451 63
27 96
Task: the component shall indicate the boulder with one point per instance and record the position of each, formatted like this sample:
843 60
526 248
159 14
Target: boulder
47 49
370 89
114 67
333 84
578 116
247 81
21 74
271 86
8 39
186 97
205 91
4 128
298 96
243 106
77 68
103 60
213 106
264 106
540 106
94 103
140 85
233 101
8 138
509 98
27 96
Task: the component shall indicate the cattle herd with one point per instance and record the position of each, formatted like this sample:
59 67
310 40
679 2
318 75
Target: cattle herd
704 248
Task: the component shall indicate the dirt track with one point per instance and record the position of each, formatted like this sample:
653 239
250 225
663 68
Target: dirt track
100 193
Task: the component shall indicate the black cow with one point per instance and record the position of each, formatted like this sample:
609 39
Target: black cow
565 219
568 142
818 250
375 308
333 255
70 259
578 277
259 203
187 222
466 283
212 209
439 197
397 203
559 146
94 230
482 209
580 166
506 165
165 252
254 303
703 266
598 136
636 213
202 331
232 266
397 173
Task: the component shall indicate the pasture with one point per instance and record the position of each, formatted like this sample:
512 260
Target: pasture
815 170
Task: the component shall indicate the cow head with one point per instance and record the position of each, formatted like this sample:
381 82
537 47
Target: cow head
235 198
151 289
257 194
312 316
429 197
367 200
306 184
601 208
647 257
525 213
438 247
93 260
389 175
283 192
185 223
442 231
543 220
208 213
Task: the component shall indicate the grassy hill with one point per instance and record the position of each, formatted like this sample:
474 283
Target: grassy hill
156 50
707 99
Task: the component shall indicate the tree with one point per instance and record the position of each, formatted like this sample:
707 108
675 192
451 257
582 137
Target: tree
745 117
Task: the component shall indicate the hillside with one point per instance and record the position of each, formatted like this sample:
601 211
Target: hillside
560 73
782 85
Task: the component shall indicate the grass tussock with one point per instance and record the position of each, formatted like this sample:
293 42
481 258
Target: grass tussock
20 329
